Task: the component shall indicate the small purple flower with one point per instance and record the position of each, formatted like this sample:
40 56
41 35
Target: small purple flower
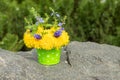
60 24
62 28
37 23
41 20
57 33
37 36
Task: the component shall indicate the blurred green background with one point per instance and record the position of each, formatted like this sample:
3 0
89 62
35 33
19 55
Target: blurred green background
87 20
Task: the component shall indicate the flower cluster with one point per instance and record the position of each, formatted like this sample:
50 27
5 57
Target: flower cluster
43 35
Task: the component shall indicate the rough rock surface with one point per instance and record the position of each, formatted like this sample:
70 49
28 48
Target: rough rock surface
89 61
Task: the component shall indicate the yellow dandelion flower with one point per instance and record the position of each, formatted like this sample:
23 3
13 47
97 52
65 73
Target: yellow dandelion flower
28 40
46 38
47 41
62 40
40 30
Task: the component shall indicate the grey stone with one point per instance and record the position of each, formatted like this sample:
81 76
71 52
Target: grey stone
98 61
28 54
89 61
15 67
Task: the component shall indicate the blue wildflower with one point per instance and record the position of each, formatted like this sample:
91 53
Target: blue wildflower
37 36
41 20
60 24
62 28
37 23
57 33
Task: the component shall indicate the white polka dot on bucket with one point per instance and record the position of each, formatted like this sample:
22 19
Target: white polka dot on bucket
39 54
52 53
48 61
57 54
48 56
53 58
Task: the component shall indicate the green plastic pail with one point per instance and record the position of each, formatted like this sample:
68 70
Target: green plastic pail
49 57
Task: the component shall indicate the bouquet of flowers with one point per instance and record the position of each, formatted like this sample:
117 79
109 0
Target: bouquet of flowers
47 36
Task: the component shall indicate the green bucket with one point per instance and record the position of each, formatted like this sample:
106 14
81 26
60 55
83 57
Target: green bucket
48 57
